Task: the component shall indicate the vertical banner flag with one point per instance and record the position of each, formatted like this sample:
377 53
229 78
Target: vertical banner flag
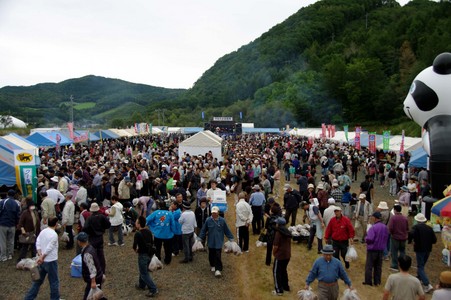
372 142
241 115
357 137
323 127
147 127
203 115
136 127
58 147
401 148
100 136
333 130
346 129
70 126
328 131
386 140
26 177
150 128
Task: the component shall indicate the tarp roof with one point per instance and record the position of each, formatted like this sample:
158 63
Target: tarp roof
48 139
121 132
260 130
202 139
419 158
8 144
107 134
213 135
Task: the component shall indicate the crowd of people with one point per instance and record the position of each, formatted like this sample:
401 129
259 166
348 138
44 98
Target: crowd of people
165 199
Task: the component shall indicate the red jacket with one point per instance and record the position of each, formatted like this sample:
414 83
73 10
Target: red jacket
339 229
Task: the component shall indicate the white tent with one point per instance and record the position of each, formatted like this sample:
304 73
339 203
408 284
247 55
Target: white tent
14 122
201 143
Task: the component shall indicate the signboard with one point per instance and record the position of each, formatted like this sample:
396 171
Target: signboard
219 199
26 177
223 119
386 140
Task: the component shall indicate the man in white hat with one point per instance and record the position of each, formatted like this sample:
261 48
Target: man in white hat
363 212
423 238
215 227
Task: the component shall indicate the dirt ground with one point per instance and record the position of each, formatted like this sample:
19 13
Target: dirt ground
244 277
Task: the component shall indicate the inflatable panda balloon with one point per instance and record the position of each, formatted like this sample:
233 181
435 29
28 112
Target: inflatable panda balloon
429 104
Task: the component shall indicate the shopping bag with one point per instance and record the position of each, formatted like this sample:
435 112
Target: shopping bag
349 294
197 246
155 264
307 295
96 294
351 254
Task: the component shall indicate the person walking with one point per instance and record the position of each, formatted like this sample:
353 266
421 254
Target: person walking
188 222
312 213
47 248
244 217
143 245
257 202
95 226
215 227
291 201
68 219
402 285
327 269
423 238
29 225
341 232
398 226
9 218
270 225
116 220
363 212
282 254
91 269
376 242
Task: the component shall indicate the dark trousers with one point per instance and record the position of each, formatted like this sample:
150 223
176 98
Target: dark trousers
281 275
177 244
373 267
243 237
70 243
24 248
312 237
188 241
88 287
291 212
144 277
397 248
167 244
214 257
340 248
97 243
257 219
268 253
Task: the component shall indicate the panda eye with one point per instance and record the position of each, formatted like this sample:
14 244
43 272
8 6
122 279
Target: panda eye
425 97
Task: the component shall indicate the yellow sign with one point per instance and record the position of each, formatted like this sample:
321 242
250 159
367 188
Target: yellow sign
24 157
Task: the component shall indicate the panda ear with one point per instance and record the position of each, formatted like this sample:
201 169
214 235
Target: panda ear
442 64
425 97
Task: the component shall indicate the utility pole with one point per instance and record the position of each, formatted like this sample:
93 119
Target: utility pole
72 109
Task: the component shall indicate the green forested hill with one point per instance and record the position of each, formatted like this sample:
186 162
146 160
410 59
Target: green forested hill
336 61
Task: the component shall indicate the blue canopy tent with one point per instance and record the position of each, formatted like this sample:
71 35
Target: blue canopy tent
419 158
106 134
8 144
48 139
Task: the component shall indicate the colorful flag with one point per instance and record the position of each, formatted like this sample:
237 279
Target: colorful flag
333 131
241 115
323 127
372 142
386 140
136 127
70 126
346 129
401 148
358 129
203 115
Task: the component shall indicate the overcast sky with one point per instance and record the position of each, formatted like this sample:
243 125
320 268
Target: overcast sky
167 43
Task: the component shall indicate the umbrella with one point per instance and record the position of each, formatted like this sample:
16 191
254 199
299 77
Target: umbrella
442 207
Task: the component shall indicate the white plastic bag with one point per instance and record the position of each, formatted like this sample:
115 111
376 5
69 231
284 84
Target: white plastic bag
368 226
155 264
258 244
95 294
65 237
197 246
232 247
350 295
351 254
307 295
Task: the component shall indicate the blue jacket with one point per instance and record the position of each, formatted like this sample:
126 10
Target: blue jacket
216 231
10 212
161 223
178 227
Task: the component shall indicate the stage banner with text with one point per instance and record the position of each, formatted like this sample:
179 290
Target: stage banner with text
386 140
372 142
357 137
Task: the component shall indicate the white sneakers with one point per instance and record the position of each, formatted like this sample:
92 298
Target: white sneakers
213 269
427 288
218 273
112 244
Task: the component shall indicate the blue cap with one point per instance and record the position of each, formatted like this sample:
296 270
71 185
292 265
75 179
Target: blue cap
82 237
